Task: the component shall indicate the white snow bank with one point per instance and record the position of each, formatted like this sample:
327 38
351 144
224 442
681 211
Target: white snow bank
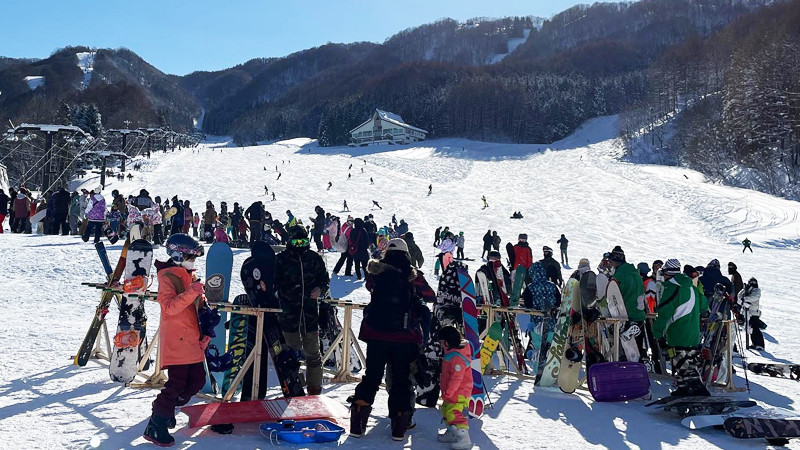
34 81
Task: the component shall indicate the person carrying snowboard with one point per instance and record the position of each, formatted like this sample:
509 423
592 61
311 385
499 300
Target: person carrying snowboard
182 344
750 299
456 383
301 279
677 328
746 244
563 241
393 333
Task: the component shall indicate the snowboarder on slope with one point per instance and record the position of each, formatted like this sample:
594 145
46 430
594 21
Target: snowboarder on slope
746 243
182 342
485 204
344 206
329 185
374 203
460 245
563 242
430 189
678 326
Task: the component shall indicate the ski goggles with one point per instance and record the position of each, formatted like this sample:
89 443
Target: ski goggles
302 242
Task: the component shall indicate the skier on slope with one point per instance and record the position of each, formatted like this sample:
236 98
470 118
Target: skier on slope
495 241
632 289
301 279
563 242
746 244
485 204
677 326
182 344
375 203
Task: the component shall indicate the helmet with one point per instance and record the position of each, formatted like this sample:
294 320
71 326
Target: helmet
297 236
180 245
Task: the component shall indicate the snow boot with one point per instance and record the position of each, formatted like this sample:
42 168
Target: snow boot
461 441
400 425
157 433
449 436
359 415
222 428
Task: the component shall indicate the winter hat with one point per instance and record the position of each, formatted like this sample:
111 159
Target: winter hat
732 265
671 267
713 263
523 237
657 262
98 189
397 244
689 271
547 249
617 255
644 269
583 266
494 254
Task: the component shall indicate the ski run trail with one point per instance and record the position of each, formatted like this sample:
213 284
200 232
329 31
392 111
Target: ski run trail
577 186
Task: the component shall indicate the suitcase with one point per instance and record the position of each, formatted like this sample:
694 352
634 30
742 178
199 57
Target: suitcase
618 381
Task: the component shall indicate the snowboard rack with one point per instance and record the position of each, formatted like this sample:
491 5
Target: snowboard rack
346 338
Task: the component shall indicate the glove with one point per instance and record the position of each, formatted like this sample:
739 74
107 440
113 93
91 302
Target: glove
662 343
204 341
198 288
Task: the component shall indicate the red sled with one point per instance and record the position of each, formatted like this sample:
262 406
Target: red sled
618 381
295 408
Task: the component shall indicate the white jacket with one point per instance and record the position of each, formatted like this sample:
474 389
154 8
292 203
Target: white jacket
751 301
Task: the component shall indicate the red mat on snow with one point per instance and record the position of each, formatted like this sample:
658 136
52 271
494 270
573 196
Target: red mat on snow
297 408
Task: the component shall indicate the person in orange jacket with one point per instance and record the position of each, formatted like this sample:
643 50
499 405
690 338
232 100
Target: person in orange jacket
456 383
181 345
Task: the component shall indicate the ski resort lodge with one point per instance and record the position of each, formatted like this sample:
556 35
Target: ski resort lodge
385 128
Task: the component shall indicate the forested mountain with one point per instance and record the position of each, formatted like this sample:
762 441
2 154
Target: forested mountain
121 85
728 105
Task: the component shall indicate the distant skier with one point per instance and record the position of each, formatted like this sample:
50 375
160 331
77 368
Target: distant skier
430 189
362 170
373 182
348 176
266 190
329 185
563 243
487 243
437 237
344 206
746 243
460 245
265 167
374 203
273 196
485 204
351 167
279 177
365 162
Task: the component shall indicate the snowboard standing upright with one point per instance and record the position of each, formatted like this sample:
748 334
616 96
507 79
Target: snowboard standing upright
87 347
446 311
219 265
468 305
237 341
562 334
616 307
258 277
131 329
329 328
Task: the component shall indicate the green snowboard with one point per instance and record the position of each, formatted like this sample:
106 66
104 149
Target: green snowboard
519 284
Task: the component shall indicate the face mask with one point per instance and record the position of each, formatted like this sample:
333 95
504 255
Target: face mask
188 265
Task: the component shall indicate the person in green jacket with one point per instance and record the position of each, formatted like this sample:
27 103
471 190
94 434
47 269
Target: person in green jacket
632 289
677 327
746 243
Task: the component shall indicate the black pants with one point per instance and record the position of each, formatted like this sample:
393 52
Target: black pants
208 233
98 229
61 225
756 336
158 237
318 240
184 381
460 252
399 356
176 227
361 266
19 224
255 230
344 257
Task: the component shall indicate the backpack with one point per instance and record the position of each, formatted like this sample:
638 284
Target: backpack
392 307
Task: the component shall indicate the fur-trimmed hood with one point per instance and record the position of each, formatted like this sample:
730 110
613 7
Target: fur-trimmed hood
377 267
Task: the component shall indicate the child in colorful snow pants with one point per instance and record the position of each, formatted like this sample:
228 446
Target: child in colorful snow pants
456 382
181 343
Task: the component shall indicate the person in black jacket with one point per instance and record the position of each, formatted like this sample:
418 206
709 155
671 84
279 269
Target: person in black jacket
143 200
359 246
319 226
255 215
301 279
711 276
487 243
60 224
552 267
414 251
736 278
391 328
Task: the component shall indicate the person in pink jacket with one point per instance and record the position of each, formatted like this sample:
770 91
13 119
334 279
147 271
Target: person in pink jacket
456 382
181 343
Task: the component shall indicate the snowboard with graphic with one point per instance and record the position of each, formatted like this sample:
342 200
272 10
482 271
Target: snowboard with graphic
470 309
130 339
219 265
628 333
330 328
561 335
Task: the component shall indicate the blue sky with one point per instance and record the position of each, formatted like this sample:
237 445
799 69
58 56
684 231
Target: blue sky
183 36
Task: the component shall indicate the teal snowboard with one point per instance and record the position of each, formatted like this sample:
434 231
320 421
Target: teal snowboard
219 265
519 283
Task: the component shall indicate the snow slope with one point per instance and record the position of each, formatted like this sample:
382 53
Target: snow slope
512 45
575 186
86 64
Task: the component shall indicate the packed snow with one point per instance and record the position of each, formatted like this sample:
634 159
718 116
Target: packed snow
576 186
86 64
34 81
